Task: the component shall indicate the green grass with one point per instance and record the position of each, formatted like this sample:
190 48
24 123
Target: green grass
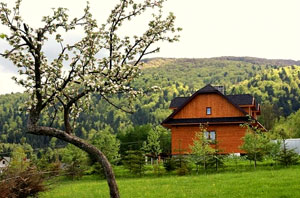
280 183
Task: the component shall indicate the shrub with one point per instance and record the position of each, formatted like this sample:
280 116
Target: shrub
170 164
134 161
27 183
287 157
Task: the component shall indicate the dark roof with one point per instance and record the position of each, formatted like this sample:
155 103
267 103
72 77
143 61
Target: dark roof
207 89
241 99
206 120
178 101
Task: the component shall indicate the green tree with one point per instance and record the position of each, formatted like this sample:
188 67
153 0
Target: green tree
108 144
201 149
134 161
19 161
286 156
256 143
152 145
76 161
69 92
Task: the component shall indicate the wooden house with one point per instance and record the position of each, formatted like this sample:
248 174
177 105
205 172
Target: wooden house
222 114
4 162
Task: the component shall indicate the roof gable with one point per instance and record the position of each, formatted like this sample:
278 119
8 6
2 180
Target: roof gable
205 90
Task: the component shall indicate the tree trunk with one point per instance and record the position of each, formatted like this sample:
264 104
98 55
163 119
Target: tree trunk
93 151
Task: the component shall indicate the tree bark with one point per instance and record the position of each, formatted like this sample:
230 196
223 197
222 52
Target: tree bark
93 151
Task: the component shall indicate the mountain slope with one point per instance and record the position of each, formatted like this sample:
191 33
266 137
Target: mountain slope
176 77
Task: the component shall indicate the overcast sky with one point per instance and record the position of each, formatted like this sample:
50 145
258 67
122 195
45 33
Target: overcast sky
211 28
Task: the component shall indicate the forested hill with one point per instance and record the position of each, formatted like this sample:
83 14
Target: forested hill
198 72
280 87
176 77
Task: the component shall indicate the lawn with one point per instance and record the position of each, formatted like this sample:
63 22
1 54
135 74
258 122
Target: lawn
273 183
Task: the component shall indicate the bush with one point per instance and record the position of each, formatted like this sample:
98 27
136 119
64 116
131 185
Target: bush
182 171
287 157
23 184
170 164
183 165
134 161
158 169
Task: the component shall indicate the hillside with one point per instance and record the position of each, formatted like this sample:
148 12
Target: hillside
176 77
280 87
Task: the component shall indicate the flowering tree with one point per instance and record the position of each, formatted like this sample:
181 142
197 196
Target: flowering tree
66 83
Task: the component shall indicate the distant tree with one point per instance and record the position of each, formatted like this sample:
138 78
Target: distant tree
133 137
19 161
53 90
152 145
269 115
75 161
108 144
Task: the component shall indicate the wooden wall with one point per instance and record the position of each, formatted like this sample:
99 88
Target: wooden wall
229 138
220 107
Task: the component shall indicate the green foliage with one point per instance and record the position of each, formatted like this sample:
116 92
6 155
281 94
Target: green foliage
276 86
134 161
170 164
19 161
287 156
202 152
290 125
183 164
108 144
256 144
170 75
152 145
2 36
75 160
133 138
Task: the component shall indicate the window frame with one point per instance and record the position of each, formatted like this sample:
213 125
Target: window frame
207 135
208 111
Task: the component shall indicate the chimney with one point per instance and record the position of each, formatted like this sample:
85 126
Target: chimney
221 89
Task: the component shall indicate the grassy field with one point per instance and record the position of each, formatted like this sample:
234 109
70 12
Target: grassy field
273 183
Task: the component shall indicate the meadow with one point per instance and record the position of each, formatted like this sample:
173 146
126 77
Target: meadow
266 181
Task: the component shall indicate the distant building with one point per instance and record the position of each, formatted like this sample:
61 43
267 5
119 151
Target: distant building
4 162
222 114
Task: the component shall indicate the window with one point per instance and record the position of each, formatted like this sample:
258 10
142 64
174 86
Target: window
210 135
3 162
208 110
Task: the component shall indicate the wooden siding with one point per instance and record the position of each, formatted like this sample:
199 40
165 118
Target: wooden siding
220 107
229 138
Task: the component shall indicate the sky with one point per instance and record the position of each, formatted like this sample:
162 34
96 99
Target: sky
211 28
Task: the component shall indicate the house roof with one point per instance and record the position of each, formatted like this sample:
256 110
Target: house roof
241 99
178 101
207 89
5 158
207 120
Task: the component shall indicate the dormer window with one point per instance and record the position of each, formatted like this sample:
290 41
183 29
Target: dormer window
208 110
